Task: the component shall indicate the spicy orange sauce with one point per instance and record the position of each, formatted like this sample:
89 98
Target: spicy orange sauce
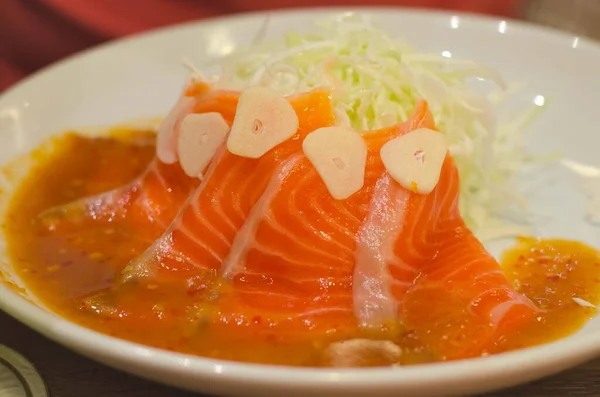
553 272
64 269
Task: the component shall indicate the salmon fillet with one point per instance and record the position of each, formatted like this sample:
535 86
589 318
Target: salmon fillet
152 200
418 263
194 246
277 255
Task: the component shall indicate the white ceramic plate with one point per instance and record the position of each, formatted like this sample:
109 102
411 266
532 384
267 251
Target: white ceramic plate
141 77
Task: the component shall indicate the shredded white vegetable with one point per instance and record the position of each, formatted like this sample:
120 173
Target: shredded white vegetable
376 81
584 303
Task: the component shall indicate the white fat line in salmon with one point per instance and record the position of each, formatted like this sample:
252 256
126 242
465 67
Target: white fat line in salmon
373 301
244 238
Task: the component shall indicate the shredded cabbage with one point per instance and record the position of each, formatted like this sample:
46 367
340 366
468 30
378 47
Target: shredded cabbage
376 81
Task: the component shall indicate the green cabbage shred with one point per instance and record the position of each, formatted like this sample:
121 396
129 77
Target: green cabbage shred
376 81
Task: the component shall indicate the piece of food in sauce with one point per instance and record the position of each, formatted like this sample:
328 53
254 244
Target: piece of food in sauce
293 261
411 243
550 272
298 262
274 250
362 353
153 199
462 304
150 201
201 236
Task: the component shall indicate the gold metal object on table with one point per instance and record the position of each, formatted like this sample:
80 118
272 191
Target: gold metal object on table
18 377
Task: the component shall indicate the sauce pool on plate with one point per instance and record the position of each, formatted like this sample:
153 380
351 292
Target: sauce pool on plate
65 267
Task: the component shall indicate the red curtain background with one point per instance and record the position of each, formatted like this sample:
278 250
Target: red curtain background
35 33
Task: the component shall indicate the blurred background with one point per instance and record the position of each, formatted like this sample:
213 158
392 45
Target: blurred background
35 33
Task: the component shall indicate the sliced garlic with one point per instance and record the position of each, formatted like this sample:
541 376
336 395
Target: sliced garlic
200 135
415 159
263 120
340 155
166 137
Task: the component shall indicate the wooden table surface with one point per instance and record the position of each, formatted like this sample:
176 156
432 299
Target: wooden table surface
70 375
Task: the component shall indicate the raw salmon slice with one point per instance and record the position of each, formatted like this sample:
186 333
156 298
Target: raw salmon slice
295 262
192 249
400 235
289 267
382 272
150 202
417 263
462 304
